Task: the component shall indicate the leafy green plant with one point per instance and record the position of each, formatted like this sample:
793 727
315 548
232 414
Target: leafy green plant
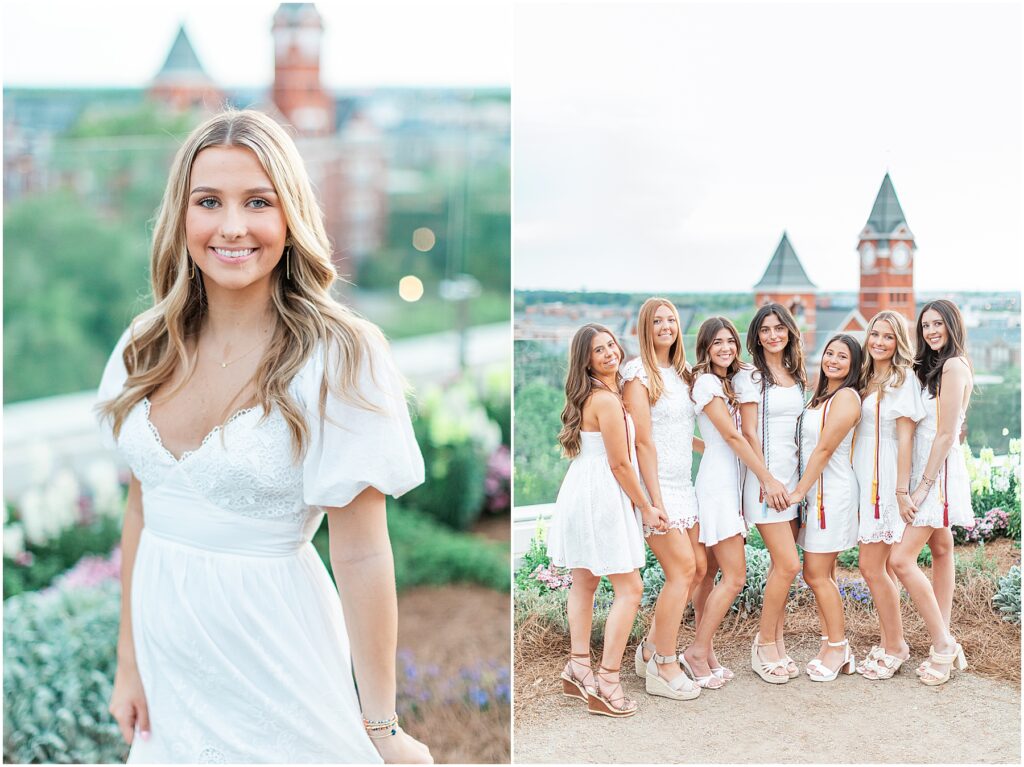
1007 597
849 558
59 662
977 563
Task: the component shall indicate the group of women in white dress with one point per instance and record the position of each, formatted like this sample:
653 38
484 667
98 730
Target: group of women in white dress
870 458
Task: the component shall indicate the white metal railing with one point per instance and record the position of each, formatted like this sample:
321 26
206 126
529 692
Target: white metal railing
526 521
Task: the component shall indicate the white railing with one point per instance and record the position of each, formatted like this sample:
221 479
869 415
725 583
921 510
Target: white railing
526 521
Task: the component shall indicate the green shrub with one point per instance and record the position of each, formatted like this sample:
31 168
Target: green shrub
977 563
850 558
1007 598
754 539
45 562
428 553
59 662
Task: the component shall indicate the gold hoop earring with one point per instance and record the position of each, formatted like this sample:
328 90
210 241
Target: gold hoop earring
191 269
288 262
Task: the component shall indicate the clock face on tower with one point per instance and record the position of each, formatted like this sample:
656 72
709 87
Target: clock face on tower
901 256
867 255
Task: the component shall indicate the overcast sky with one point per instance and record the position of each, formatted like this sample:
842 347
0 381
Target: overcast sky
666 148
97 43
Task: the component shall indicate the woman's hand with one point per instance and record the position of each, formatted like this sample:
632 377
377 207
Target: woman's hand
796 497
655 518
776 494
402 748
128 703
920 493
907 507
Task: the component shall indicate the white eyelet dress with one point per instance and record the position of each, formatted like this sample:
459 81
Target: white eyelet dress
948 502
778 408
831 521
719 502
902 402
239 634
672 423
595 526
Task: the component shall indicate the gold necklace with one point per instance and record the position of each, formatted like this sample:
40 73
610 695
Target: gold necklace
224 364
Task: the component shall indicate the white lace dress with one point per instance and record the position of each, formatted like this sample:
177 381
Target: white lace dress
948 502
239 634
879 513
831 523
595 526
719 500
672 423
778 408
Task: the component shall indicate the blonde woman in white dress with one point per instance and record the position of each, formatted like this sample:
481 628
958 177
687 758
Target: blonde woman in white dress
596 530
942 489
771 395
828 495
248 403
658 399
719 489
890 408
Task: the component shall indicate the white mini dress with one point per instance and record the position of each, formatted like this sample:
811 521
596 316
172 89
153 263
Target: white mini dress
880 519
949 500
239 634
719 500
831 521
595 526
778 408
672 422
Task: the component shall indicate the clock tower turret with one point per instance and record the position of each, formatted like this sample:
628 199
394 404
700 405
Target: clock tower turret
886 247
298 33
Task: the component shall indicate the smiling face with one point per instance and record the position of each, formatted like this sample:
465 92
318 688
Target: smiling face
881 341
235 227
604 354
722 350
934 330
772 334
665 327
835 362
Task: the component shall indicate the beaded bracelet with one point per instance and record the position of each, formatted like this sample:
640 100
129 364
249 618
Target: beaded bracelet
381 728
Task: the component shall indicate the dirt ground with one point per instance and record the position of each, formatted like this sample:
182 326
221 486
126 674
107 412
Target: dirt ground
969 719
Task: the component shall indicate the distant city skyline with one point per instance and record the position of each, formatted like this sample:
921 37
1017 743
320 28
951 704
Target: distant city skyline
671 151
48 43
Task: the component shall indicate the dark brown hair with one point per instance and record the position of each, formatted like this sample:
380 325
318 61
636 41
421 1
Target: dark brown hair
927 362
705 337
578 386
792 355
852 379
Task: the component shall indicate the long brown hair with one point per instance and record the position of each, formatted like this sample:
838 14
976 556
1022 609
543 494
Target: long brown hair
306 314
792 355
902 359
648 357
852 379
705 337
928 363
578 386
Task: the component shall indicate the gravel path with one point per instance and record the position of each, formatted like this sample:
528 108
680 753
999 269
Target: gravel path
969 719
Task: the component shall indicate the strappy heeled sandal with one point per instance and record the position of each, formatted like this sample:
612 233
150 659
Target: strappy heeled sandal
722 672
765 668
704 682
680 688
639 664
934 678
819 672
874 653
885 667
572 685
617 707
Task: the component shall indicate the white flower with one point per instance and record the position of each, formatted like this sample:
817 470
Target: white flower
1001 483
101 479
14 540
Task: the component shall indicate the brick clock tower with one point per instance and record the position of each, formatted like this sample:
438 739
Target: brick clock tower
886 246
298 32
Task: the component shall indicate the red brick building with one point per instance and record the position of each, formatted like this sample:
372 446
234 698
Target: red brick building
182 83
785 282
886 246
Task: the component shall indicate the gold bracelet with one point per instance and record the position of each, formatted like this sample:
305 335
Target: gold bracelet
381 728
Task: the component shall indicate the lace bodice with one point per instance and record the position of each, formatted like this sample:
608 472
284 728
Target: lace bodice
672 420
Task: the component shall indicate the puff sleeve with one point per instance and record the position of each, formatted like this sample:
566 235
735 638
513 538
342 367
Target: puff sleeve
111 384
354 448
747 389
706 388
635 369
905 401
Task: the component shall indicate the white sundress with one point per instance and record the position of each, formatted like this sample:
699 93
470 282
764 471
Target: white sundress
595 526
672 422
948 502
239 634
831 522
778 408
719 500
880 519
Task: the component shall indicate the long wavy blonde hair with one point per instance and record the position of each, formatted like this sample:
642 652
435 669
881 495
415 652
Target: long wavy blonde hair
648 356
705 337
902 363
306 314
578 385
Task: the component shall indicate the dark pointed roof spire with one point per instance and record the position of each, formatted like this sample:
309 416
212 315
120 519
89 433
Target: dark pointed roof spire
182 59
886 213
784 270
